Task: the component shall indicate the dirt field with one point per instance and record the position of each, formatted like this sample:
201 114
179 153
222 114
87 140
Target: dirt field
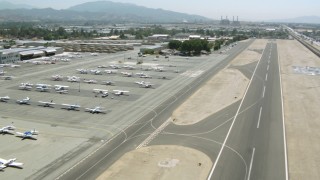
225 88
160 162
301 109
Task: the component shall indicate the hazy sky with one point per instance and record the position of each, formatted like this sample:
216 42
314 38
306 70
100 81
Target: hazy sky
245 9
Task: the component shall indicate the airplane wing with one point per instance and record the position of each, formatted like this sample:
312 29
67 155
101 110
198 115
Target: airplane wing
43 102
20 133
16 164
3 161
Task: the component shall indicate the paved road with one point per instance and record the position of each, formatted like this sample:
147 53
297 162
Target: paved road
156 110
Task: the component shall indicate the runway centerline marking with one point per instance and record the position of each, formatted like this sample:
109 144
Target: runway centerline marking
234 119
258 125
266 77
264 91
251 162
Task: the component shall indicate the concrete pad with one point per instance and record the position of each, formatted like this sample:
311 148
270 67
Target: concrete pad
160 162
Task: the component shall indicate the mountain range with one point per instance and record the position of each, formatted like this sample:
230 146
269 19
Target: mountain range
113 12
97 11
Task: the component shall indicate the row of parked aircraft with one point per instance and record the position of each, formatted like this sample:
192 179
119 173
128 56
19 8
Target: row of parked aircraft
32 134
44 87
93 110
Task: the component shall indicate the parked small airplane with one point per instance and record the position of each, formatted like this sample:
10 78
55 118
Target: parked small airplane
129 67
104 92
90 81
47 104
159 69
119 92
94 54
25 87
57 77
82 71
71 106
43 87
4 99
60 87
24 101
96 109
7 129
102 66
6 77
109 71
107 83
127 74
73 79
145 76
10 163
146 85
95 72
28 135
115 66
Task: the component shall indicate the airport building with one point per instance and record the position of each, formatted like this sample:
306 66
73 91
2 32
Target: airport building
18 54
94 47
155 49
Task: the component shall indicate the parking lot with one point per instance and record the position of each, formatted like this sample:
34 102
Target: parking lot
63 132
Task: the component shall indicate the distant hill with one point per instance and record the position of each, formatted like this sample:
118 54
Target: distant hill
130 10
9 5
303 19
104 11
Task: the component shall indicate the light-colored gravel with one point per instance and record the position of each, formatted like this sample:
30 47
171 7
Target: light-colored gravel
160 162
225 88
301 108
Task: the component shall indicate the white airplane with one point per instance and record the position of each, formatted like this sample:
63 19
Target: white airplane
7 129
27 84
145 76
146 85
71 106
127 74
25 87
159 69
102 66
120 92
28 135
95 72
7 77
96 109
90 81
4 99
94 54
43 87
10 163
109 71
115 66
128 67
82 71
104 92
140 74
14 65
47 104
24 101
73 79
2 72
57 77
107 83
60 87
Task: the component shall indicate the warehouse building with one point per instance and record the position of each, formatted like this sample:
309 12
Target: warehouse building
18 54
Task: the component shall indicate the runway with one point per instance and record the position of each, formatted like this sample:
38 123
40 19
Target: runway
153 112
